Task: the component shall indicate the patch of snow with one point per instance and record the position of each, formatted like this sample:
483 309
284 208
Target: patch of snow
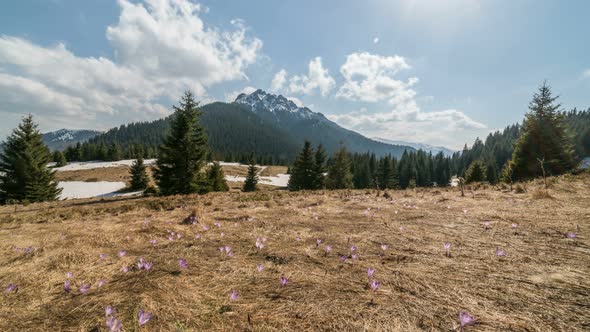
81 189
585 164
76 166
281 180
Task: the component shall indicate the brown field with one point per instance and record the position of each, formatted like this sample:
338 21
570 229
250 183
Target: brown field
543 284
273 170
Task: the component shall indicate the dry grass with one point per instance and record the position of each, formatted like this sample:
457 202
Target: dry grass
273 170
542 285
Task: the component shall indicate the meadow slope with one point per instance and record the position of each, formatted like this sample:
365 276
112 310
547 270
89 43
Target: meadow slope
542 284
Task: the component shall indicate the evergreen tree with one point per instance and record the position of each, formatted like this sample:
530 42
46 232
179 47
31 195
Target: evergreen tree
251 178
181 156
476 172
303 170
545 137
59 159
319 168
217 178
23 166
339 175
139 177
491 173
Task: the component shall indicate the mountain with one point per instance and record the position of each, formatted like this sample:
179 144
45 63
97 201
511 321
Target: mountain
61 139
419 146
271 126
302 123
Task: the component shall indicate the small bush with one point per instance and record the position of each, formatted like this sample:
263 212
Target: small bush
151 191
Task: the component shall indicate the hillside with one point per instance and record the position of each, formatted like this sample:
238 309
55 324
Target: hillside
270 126
421 288
61 139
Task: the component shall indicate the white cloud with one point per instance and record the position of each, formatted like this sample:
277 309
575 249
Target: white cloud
279 80
231 96
162 47
371 78
296 100
586 73
317 78
376 40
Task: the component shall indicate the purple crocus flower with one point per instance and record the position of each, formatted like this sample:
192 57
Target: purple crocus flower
284 281
143 317
197 236
148 266
122 253
328 248
233 295
370 272
374 285
352 248
125 269
113 324
571 235
103 256
69 275
343 258
153 241
514 225
67 286
182 263
384 247
170 238
447 246
101 283
141 263
28 249
500 252
84 288
217 224
205 227
465 319
109 311
318 242
259 267
11 288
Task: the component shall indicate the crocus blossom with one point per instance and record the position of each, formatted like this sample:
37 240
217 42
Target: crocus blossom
109 310
370 272
67 286
571 235
259 267
233 295
500 252
11 288
84 288
101 283
182 263
122 253
113 324
143 317
447 246
69 275
374 285
284 281
465 319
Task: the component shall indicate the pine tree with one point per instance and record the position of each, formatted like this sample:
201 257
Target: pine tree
251 178
339 175
544 136
303 170
59 159
217 178
24 175
319 168
181 156
491 173
476 172
139 177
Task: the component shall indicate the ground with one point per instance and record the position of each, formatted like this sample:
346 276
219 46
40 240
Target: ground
543 284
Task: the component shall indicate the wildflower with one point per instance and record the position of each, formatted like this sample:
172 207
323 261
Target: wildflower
384 247
69 275
284 281
67 286
178 236
217 224
197 236
352 248
233 295
113 324
101 283
464 211
318 242
143 317
343 258
401 228
222 234
103 256
259 243
170 238
374 285
500 252
465 319
109 311
205 227
259 267
141 263
153 241
11 288
571 235
298 239
84 288
122 253
328 248
148 266
486 224
447 246
125 269
370 272
182 263
514 225
28 249
353 256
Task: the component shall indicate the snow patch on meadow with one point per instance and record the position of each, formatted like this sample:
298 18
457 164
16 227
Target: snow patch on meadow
81 189
85 165
281 180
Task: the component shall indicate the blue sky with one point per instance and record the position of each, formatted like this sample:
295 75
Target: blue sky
430 71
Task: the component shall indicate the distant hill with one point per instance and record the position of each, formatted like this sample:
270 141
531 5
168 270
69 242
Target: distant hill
61 139
419 146
263 123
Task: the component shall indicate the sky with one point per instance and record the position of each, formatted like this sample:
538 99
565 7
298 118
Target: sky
427 71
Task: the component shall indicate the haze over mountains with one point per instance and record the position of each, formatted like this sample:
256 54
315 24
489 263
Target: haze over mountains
260 122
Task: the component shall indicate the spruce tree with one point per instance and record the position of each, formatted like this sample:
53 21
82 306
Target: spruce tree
491 173
544 136
24 175
251 178
319 168
476 172
303 170
59 159
181 156
339 175
217 178
139 177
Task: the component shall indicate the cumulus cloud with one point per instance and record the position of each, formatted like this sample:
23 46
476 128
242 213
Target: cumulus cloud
231 96
161 47
317 78
586 73
376 40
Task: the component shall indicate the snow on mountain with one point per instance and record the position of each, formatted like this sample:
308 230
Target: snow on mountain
260 100
418 146
61 139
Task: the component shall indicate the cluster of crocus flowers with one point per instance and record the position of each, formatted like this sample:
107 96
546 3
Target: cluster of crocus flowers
112 322
227 250
144 265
